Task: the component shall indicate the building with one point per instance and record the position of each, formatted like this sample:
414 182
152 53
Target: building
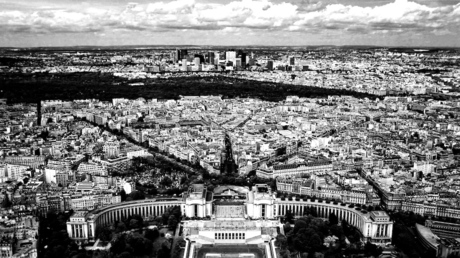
15 172
50 175
92 169
210 58
270 65
299 169
440 239
448 247
196 61
231 214
307 187
443 229
111 149
183 67
431 209
93 201
180 54
6 249
29 161
62 178
230 56
137 153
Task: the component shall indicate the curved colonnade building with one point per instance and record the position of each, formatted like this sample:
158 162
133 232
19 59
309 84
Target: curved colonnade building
231 214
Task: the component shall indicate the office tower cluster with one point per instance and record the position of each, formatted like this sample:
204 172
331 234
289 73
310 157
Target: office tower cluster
185 60
196 60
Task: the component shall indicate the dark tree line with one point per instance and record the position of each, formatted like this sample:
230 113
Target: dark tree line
33 87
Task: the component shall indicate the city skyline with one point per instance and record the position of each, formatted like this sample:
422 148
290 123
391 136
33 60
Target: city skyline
418 23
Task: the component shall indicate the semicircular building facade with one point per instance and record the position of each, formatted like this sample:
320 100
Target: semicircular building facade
232 214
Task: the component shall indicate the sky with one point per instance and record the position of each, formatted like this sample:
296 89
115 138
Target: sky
412 23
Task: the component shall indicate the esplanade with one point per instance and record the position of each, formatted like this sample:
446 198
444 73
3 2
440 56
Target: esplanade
232 206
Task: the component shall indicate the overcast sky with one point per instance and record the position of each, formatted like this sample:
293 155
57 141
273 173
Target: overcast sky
25 23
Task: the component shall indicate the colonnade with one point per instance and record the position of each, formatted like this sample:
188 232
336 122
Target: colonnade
298 208
107 217
226 236
78 231
83 227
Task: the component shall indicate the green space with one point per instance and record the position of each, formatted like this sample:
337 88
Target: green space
103 86
310 235
129 237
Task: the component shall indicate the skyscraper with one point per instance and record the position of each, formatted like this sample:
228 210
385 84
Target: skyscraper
217 58
184 65
238 62
243 57
197 61
210 58
270 65
230 56
180 54
201 57
291 60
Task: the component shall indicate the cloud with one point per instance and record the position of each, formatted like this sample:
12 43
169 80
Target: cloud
399 15
310 16
174 7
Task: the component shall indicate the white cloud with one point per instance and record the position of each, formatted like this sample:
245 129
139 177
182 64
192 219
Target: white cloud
310 16
174 7
399 15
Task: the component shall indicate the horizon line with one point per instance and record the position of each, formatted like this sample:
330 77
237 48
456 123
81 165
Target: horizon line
223 46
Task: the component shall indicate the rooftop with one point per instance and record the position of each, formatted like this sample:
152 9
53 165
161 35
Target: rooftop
427 234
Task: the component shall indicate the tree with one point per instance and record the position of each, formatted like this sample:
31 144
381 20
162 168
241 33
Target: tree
372 250
165 217
164 251
285 253
299 224
333 219
152 234
134 223
176 211
337 231
308 240
289 217
121 227
172 222
123 195
315 242
135 195
118 244
300 239
287 228
124 255
180 242
104 234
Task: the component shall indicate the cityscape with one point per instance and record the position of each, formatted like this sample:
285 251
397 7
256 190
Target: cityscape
230 129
